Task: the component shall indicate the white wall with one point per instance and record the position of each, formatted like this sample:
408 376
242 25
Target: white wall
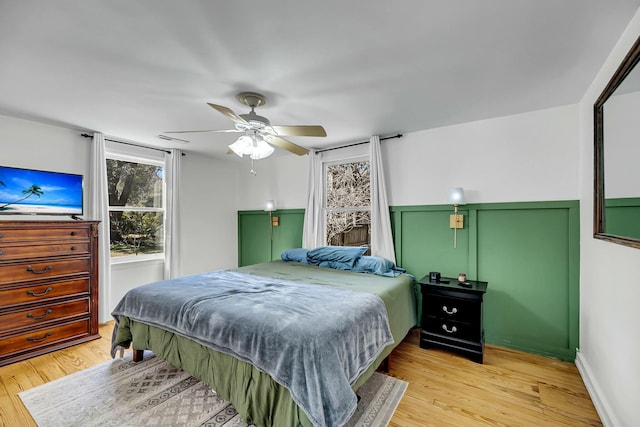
32 145
609 281
208 215
524 157
280 178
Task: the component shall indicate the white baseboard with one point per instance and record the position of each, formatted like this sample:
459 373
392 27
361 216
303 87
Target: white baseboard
596 394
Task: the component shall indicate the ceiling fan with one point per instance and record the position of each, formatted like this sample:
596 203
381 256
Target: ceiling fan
257 129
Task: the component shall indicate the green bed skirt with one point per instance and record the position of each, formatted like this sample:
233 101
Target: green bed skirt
234 380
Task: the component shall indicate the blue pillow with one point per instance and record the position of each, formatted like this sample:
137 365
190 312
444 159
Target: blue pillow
345 254
298 255
377 265
336 265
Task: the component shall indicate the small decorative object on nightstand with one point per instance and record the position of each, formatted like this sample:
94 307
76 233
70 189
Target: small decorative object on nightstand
452 316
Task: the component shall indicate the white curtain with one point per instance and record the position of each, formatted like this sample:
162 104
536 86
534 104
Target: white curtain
173 161
99 210
313 232
381 237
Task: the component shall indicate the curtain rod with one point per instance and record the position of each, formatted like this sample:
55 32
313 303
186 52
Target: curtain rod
357 143
86 135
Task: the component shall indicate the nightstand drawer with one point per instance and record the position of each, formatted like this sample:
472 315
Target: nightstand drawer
452 329
461 310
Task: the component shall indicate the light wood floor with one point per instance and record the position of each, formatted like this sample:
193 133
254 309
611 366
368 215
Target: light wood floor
510 389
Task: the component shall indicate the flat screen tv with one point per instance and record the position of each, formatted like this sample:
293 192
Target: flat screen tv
37 192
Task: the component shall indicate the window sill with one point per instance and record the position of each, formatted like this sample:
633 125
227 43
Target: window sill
137 259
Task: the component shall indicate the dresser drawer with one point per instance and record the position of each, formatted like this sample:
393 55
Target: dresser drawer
449 308
21 251
33 233
453 329
43 314
43 337
44 292
18 272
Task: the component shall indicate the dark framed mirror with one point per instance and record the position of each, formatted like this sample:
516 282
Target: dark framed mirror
617 155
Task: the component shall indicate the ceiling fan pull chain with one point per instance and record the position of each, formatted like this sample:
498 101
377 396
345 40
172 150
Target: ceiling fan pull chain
252 170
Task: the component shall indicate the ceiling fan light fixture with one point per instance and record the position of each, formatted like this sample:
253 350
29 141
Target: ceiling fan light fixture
261 150
242 146
253 146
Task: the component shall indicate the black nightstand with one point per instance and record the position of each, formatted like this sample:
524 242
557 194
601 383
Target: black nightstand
452 316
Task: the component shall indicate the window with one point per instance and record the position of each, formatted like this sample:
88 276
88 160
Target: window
136 207
347 203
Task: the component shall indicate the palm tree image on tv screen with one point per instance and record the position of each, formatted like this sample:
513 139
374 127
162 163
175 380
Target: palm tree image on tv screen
34 190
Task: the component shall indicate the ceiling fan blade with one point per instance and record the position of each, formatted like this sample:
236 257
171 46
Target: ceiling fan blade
286 145
227 112
196 131
303 130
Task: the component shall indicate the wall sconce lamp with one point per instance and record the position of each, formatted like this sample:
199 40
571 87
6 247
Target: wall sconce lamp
456 198
274 221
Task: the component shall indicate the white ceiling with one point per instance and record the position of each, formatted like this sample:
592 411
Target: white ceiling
133 69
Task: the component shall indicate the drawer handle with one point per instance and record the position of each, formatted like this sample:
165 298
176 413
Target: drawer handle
452 311
1 252
73 233
44 270
46 313
453 329
1 235
46 291
32 339
73 248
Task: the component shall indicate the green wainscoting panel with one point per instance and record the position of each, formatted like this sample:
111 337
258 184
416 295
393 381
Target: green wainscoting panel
424 242
528 252
288 234
623 217
526 256
256 243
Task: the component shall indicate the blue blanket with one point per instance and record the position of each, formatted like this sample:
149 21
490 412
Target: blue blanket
315 340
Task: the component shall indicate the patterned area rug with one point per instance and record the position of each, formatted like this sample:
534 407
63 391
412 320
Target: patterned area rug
154 393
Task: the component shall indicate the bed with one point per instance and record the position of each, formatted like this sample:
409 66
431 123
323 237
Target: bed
260 375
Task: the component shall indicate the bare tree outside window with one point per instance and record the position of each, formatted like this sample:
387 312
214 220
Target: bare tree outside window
136 209
348 204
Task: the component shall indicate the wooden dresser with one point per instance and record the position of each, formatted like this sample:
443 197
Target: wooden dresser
48 286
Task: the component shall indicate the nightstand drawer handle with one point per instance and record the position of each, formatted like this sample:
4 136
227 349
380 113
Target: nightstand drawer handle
44 270
46 313
46 291
32 339
453 329
452 311
1 253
